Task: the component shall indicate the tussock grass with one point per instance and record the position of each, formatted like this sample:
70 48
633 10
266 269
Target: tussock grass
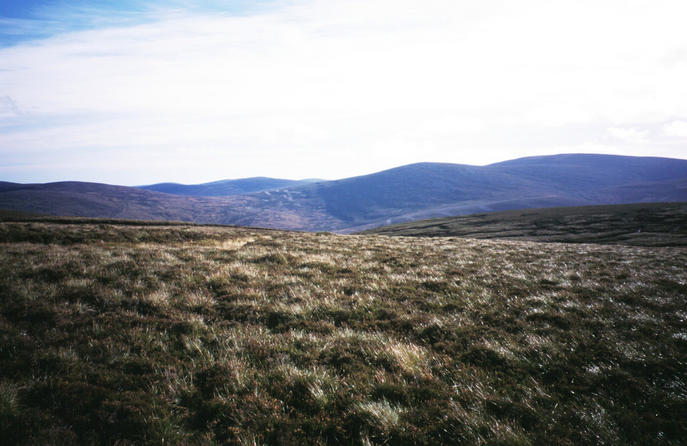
208 335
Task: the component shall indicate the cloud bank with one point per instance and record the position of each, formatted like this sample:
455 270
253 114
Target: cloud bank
330 89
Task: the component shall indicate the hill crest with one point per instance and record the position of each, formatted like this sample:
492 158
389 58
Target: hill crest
404 193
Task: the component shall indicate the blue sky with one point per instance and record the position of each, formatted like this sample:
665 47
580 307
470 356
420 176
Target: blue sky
196 91
24 20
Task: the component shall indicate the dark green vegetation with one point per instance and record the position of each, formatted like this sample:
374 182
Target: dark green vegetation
125 334
16 215
406 193
645 224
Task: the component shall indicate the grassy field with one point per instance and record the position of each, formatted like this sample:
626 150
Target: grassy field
125 334
641 224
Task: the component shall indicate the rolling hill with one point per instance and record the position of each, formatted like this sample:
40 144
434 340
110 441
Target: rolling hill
105 201
406 193
225 188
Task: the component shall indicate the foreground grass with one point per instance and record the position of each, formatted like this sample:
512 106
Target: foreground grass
200 335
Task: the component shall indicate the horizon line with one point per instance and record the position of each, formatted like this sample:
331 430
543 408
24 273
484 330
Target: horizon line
317 179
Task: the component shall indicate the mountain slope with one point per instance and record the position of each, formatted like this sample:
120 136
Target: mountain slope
416 186
226 187
590 172
432 189
106 201
412 192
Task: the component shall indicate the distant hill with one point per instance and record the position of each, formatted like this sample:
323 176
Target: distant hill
225 188
412 192
427 190
96 200
644 224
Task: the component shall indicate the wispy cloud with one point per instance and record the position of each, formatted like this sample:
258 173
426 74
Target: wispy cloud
8 108
312 87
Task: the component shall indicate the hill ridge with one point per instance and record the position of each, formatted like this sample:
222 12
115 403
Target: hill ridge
403 193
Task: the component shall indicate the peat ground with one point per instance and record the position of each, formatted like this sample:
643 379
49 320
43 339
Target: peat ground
640 224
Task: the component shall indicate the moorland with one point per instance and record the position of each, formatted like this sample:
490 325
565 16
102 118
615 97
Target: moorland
638 224
125 333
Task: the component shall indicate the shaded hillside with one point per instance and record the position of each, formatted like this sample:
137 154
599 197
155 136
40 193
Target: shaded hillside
100 200
162 334
417 186
649 224
431 189
405 193
105 201
586 172
226 187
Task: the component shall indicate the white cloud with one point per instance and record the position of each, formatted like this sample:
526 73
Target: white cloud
676 128
628 134
316 86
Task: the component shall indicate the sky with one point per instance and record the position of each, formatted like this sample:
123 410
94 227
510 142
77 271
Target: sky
130 92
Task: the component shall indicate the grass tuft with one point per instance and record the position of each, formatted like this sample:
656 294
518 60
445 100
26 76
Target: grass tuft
126 334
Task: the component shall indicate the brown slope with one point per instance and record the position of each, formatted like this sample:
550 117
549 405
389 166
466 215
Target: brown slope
642 224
